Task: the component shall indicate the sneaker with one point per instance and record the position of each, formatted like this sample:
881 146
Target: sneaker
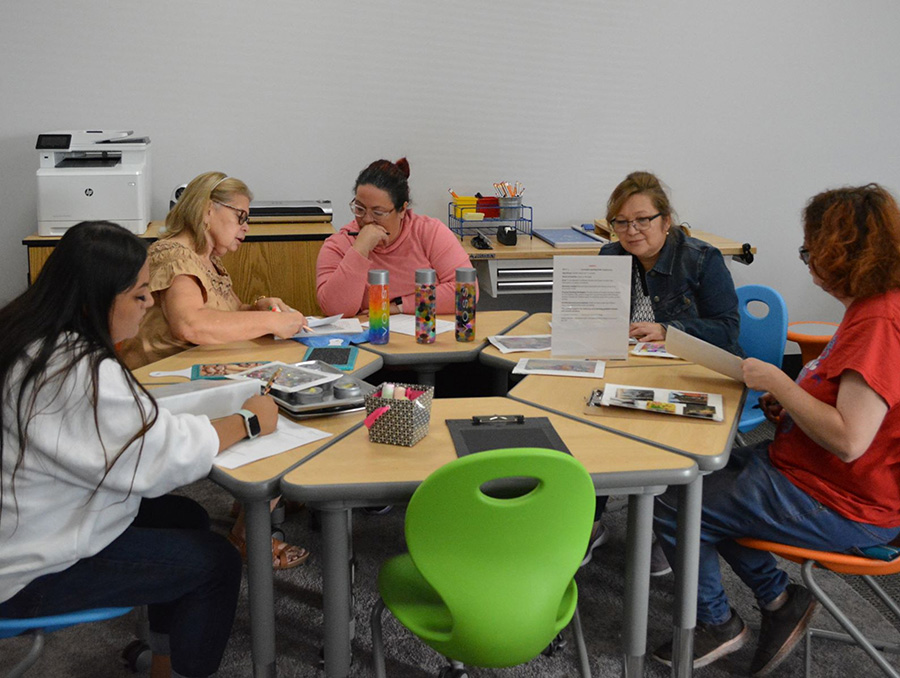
599 536
659 564
782 629
711 641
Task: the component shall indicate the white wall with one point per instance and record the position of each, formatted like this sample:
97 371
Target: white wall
744 109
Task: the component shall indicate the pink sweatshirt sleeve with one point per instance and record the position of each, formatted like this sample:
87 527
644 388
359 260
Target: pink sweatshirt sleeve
341 277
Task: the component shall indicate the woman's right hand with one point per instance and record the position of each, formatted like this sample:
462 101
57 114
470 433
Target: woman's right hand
370 236
770 407
266 410
286 325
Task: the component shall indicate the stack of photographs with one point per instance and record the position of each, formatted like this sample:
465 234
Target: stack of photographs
682 403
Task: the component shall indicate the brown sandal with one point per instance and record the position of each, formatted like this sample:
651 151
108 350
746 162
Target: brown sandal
284 555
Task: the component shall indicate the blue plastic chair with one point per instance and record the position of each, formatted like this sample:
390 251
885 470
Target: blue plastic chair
39 626
762 338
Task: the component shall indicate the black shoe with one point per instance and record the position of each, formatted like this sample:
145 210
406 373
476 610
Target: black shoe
599 536
711 641
659 564
782 629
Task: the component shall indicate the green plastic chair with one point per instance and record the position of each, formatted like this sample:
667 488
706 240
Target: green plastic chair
489 581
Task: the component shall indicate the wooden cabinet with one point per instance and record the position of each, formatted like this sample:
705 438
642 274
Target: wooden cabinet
277 260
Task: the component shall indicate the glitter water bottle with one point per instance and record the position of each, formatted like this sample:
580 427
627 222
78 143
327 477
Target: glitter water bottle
465 304
426 280
379 307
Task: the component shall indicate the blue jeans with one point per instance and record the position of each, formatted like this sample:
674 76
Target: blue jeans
168 560
751 498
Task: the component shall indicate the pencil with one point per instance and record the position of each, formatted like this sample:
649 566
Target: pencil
271 381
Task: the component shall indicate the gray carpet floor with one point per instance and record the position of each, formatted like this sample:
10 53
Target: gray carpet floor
93 650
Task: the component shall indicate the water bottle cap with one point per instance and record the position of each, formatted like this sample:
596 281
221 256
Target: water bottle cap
426 276
465 275
378 276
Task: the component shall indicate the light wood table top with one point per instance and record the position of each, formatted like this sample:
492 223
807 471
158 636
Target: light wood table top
354 468
539 323
263 348
525 248
402 349
708 442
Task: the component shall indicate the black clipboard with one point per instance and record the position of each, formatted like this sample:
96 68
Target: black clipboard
494 432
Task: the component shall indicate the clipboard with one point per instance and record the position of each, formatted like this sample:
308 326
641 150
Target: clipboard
494 432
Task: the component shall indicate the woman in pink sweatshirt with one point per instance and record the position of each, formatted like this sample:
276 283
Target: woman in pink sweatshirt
386 235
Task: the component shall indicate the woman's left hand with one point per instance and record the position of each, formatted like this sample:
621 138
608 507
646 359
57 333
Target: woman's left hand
647 331
272 304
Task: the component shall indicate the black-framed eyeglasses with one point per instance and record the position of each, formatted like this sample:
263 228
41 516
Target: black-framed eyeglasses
804 254
242 215
639 223
360 211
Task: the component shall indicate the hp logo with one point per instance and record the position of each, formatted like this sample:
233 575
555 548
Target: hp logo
89 192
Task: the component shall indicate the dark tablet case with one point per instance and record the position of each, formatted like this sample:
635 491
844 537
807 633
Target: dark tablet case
469 437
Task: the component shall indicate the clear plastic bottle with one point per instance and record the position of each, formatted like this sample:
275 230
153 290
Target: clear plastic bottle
379 307
465 304
426 283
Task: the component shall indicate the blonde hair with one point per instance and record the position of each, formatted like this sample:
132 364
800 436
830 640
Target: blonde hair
188 214
640 183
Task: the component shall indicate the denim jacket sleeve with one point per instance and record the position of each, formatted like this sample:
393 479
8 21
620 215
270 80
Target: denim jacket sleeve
698 296
691 289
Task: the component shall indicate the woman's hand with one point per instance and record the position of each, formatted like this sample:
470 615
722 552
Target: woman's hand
266 410
647 331
286 324
770 407
370 236
271 304
763 376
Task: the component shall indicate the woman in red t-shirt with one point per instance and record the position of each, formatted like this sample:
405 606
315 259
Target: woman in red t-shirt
830 480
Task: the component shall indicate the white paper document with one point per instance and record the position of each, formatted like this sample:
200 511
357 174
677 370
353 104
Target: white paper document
508 343
334 324
696 350
287 436
404 323
591 307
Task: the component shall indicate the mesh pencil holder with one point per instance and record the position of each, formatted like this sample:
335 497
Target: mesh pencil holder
399 422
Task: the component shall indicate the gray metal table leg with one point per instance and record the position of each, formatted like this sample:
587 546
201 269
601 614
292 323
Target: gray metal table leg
637 582
686 576
336 590
260 587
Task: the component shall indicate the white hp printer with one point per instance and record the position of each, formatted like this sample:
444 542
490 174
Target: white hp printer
93 175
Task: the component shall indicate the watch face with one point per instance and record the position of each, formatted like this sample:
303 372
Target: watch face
253 426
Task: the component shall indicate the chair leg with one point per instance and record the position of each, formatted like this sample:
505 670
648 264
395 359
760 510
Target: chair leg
377 640
37 646
583 660
844 621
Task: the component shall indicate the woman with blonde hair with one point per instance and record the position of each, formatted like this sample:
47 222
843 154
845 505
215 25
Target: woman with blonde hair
195 301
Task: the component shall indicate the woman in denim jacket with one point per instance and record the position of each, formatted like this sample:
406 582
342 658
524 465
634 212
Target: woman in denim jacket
677 280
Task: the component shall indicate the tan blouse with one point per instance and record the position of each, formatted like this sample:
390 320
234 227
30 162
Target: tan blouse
168 259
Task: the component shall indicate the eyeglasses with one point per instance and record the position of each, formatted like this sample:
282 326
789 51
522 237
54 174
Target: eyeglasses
639 223
360 211
804 255
242 215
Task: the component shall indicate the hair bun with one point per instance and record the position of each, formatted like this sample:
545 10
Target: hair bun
403 165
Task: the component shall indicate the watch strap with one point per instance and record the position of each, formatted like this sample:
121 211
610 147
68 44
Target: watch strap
251 423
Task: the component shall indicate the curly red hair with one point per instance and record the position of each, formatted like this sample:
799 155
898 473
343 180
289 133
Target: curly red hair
853 237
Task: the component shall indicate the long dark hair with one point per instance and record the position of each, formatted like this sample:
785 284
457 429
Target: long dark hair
65 315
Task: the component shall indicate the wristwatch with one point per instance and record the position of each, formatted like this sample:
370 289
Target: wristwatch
251 423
